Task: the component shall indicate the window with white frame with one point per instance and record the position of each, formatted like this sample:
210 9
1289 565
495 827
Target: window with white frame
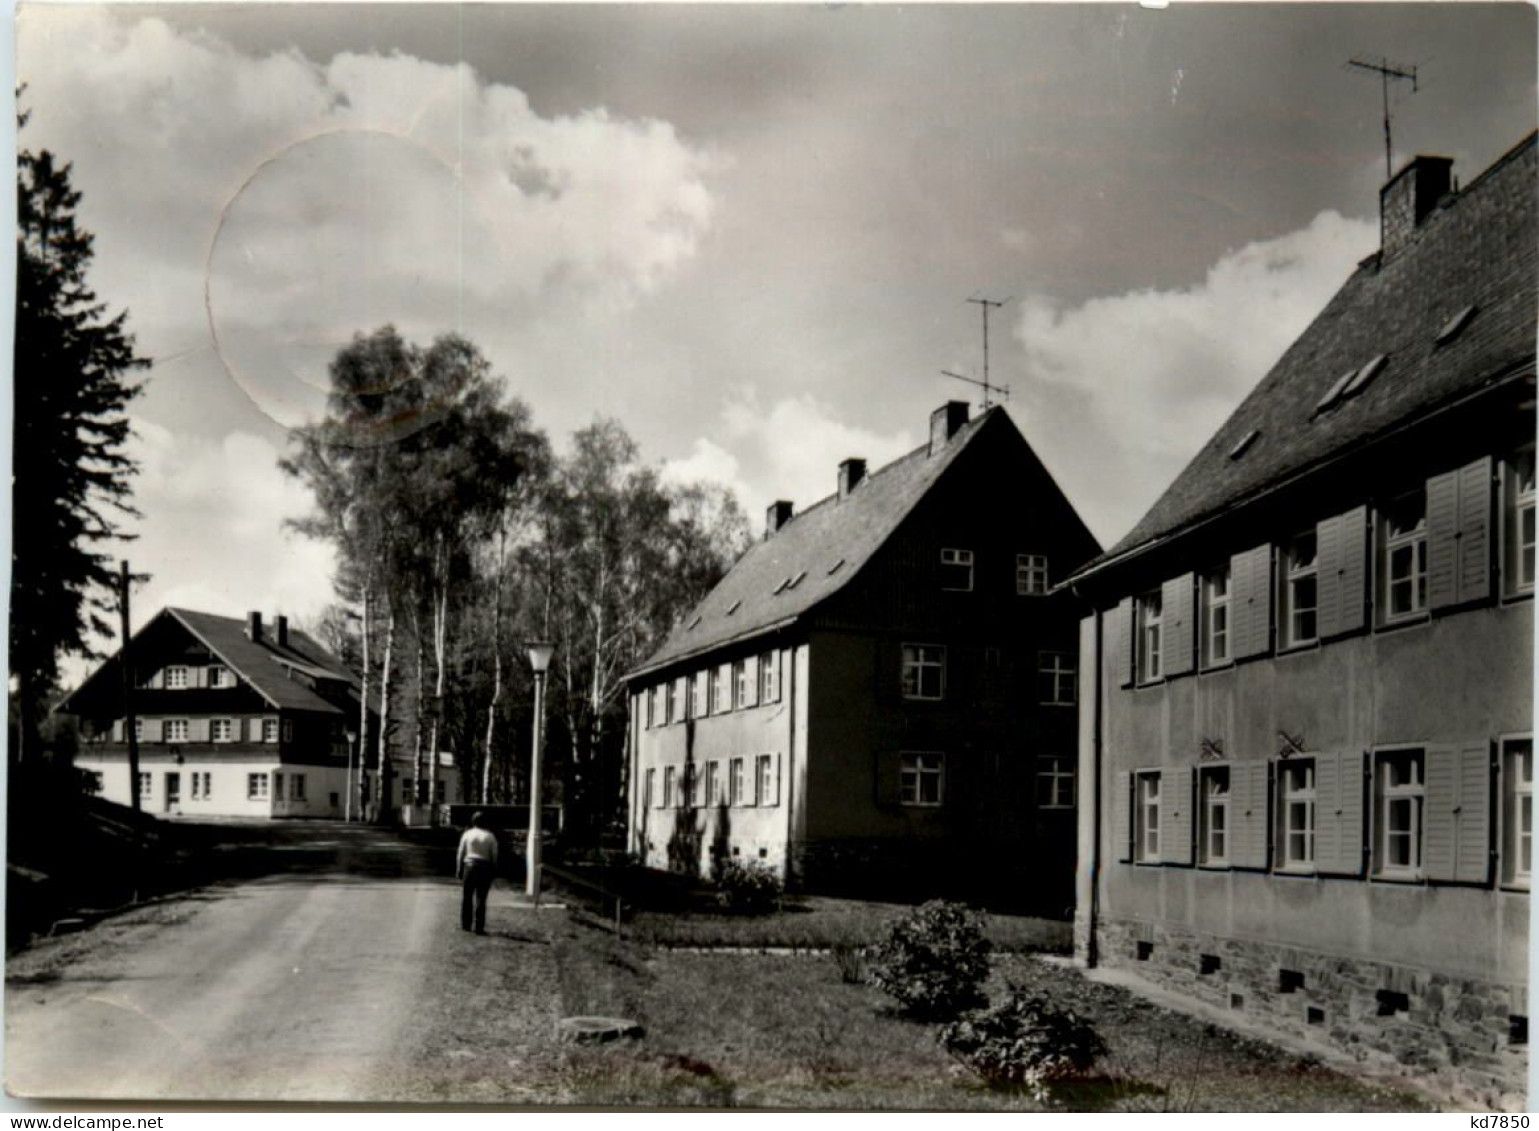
693 781
924 671
769 677
671 708
720 700
670 787
1213 816
1030 575
1299 591
1518 523
1398 792
269 730
176 678
1517 811
648 786
957 570
1056 678
742 684
1403 556
700 690
220 676
738 782
175 730
207 784
1215 616
256 787
713 784
921 779
652 697
197 787
1146 817
764 779
1151 615
1055 782
145 780
1296 815
221 730
297 787
138 730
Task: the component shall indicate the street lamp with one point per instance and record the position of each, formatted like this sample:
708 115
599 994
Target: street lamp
539 659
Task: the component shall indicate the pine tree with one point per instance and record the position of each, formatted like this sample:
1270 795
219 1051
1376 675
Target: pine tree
71 477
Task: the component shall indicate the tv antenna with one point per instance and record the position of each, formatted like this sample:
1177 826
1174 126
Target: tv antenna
987 387
1386 71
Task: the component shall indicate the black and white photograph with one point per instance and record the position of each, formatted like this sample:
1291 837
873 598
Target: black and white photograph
791 557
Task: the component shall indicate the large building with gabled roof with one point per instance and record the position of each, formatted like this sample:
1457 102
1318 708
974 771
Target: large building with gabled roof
1311 669
234 718
881 693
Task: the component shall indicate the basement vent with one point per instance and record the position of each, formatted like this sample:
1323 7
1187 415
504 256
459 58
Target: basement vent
1236 1001
1392 1002
1364 376
1517 1029
1289 981
1209 964
1314 1015
1239 449
734 607
1143 951
1455 326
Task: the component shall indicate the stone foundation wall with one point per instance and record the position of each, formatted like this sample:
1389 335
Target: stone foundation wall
1467 1037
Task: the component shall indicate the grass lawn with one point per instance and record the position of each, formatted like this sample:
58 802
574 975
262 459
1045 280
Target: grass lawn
746 1030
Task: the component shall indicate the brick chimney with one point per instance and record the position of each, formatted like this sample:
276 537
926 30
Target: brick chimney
778 514
283 631
1409 196
851 472
945 422
254 626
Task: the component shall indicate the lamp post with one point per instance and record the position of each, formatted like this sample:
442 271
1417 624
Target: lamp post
539 659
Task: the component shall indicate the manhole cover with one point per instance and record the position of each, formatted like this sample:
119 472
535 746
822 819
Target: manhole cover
595 1030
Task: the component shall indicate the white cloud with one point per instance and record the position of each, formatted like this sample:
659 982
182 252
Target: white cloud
1162 369
331 196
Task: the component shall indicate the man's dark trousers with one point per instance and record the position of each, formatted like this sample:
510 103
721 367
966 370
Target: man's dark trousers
477 882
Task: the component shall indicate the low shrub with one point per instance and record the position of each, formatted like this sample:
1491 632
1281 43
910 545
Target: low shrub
934 960
749 888
1025 1042
851 961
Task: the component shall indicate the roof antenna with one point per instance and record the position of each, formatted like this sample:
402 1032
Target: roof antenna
1386 71
1004 390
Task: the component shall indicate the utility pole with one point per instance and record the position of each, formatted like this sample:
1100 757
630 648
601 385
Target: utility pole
987 387
124 579
1386 71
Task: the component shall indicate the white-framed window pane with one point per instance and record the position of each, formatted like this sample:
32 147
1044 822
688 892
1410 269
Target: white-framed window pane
175 730
1517 811
1300 589
921 779
1296 813
1215 616
739 782
1404 571
1518 522
176 678
648 784
1146 818
221 730
957 570
1151 615
1214 815
712 784
1055 782
769 677
269 730
256 787
924 671
1398 797
1031 575
670 787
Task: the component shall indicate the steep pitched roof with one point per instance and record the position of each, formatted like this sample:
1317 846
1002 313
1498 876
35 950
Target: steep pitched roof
816 553
1476 249
266 664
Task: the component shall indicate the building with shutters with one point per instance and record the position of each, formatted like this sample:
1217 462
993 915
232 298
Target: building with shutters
881 693
1310 674
234 719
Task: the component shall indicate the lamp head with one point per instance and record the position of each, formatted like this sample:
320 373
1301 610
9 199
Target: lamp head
540 652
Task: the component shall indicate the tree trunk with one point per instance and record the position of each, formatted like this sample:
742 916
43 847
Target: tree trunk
440 664
355 758
416 761
382 805
491 712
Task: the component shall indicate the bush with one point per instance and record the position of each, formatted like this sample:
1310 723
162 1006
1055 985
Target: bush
851 961
749 888
1025 1042
934 960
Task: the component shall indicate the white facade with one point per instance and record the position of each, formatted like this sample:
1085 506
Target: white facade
206 788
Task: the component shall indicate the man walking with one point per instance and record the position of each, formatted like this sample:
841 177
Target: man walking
475 866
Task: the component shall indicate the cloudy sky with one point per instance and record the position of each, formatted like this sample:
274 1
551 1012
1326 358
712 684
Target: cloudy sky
747 232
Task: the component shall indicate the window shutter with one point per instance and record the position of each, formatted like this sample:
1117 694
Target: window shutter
1122 816
1473 567
1123 627
154 729
1176 815
1179 635
1248 814
775 785
117 730
197 676
1339 814
197 730
1251 604
1456 820
1343 545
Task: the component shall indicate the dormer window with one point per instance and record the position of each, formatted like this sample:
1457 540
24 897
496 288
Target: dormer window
1364 376
176 678
957 570
1455 326
1244 445
732 608
797 580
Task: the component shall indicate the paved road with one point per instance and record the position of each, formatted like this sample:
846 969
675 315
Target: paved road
334 982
